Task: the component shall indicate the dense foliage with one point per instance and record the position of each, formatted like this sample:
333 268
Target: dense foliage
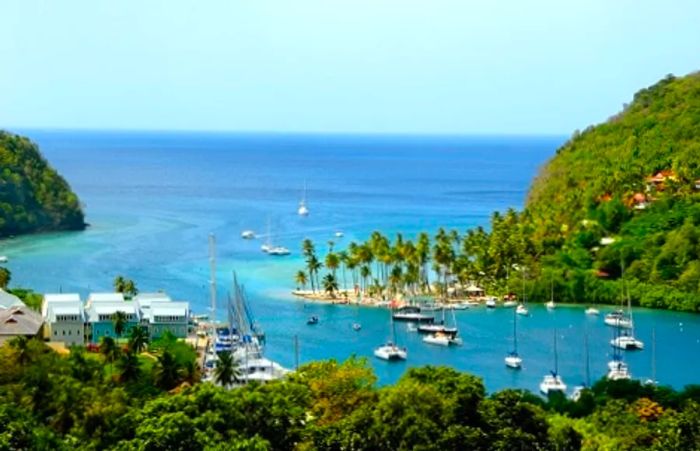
121 402
33 196
597 227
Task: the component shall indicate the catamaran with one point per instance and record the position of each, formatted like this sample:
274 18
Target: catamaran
617 368
626 340
513 359
303 209
553 382
390 351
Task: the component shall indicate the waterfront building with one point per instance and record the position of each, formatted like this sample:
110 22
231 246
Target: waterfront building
100 310
64 316
159 313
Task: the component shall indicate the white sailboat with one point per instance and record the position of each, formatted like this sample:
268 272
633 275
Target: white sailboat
626 340
618 317
303 209
390 351
578 390
617 368
513 359
553 382
551 305
521 309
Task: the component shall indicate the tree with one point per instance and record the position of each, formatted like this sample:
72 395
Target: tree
20 345
109 349
125 286
330 284
5 277
166 371
138 339
332 262
301 280
128 366
119 320
227 370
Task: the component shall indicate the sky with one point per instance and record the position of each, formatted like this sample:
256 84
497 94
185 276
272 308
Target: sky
360 66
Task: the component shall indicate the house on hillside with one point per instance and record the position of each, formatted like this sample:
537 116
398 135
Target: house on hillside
639 201
659 180
19 321
64 316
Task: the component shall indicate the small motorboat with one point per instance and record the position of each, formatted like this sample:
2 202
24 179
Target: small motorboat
491 303
592 311
459 306
312 321
338 234
522 310
3 259
247 234
551 305
411 327
265 248
356 327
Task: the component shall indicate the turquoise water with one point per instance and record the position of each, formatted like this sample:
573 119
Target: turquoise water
153 198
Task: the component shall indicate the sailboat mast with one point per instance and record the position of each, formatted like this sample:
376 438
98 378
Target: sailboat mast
556 359
653 354
212 277
588 360
515 331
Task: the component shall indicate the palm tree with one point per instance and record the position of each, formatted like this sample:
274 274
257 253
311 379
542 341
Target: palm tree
307 247
166 371
365 273
138 339
301 279
109 349
344 258
227 370
314 265
190 372
130 289
119 321
128 365
330 284
332 262
119 282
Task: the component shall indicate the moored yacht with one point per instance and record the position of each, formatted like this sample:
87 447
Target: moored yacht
618 319
553 382
522 310
592 311
491 303
247 234
278 251
3 259
410 313
390 352
438 338
618 370
513 359
627 342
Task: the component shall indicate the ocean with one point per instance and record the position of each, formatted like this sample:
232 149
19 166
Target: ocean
153 198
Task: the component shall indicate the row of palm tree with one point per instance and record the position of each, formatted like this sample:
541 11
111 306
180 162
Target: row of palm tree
380 265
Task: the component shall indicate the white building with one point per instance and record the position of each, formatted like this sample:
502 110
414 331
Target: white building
65 318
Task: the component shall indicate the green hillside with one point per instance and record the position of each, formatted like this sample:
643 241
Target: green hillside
626 194
33 196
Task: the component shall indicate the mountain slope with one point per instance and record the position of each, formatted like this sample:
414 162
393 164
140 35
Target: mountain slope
33 196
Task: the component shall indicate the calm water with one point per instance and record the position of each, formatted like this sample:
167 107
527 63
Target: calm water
153 198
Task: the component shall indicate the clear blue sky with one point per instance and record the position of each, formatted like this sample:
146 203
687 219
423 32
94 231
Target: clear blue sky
521 66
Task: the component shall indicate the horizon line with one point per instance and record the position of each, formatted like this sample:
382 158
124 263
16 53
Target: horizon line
285 132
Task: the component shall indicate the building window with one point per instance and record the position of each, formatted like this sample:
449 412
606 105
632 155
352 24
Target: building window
55 332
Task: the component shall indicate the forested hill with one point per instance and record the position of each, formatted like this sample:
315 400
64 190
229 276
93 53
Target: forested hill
33 196
658 132
623 197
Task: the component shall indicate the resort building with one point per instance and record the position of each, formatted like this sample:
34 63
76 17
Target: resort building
159 314
19 321
64 316
100 310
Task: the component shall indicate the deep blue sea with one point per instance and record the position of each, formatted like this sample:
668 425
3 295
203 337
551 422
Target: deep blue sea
153 198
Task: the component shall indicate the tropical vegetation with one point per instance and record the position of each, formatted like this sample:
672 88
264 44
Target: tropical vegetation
33 196
616 212
84 401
